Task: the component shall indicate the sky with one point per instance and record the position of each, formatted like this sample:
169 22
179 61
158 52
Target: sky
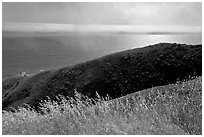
69 16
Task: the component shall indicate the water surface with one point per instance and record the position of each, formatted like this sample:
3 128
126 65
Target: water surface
34 53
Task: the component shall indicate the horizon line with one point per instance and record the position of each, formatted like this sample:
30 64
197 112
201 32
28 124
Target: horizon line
99 28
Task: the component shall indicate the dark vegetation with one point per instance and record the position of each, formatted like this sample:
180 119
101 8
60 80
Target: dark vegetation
117 75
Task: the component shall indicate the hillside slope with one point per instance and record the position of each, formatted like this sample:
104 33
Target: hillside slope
174 109
180 103
117 74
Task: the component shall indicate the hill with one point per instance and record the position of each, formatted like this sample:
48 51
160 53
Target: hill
116 74
180 103
174 109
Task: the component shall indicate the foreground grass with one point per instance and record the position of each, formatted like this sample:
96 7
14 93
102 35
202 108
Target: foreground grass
173 109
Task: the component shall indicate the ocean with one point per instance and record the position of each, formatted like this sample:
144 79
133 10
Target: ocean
34 53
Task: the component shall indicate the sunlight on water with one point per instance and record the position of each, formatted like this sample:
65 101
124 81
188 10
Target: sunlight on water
145 40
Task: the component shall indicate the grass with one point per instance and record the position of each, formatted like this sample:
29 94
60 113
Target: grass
172 109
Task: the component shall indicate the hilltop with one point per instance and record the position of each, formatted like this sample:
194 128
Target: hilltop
116 74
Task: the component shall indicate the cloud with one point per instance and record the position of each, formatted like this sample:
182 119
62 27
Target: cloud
122 13
162 13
